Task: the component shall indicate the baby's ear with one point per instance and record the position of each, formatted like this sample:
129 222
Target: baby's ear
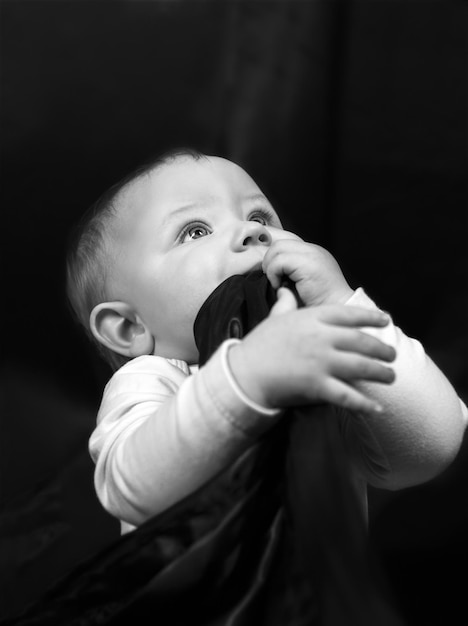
116 326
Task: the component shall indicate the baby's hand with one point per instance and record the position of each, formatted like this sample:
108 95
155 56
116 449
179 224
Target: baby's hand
317 276
312 355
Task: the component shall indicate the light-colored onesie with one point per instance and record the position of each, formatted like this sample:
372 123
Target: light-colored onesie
165 428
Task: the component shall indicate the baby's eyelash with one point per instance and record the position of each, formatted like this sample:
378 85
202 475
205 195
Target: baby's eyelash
266 214
186 230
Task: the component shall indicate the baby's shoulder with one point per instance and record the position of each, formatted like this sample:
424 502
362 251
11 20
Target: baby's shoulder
147 373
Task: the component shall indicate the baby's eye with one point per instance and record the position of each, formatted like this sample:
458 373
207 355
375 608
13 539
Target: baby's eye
193 231
262 216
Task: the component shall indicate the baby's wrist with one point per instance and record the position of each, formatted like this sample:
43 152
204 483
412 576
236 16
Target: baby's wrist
345 294
339 296
242 380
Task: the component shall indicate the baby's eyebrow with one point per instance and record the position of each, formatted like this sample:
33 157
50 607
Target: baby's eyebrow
257 196
180 210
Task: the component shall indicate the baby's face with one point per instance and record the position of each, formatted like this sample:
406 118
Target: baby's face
182 231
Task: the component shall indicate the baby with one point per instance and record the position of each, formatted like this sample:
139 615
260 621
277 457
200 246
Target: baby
145 260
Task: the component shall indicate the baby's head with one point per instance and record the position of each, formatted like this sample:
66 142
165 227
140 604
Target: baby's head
154 246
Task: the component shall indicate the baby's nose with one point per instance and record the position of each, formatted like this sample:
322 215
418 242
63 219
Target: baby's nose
251 234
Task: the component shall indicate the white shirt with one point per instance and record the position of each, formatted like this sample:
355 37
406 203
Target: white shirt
164 429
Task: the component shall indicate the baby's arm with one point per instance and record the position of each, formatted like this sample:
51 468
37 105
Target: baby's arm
161 434
422 425
421 428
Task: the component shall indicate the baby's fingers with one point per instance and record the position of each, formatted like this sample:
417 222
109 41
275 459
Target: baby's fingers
355 367
344 315
286 301
362 343
340 394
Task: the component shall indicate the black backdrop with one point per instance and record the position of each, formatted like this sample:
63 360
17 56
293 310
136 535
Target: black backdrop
350 115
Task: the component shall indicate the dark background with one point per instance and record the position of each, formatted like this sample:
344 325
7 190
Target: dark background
350 115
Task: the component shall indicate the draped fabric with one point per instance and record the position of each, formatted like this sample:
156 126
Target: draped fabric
352 118
278 539
325 566
179 565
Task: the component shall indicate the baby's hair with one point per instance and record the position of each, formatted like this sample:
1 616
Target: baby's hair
90 249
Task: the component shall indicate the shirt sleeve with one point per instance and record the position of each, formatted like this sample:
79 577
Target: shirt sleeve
161 433
421 428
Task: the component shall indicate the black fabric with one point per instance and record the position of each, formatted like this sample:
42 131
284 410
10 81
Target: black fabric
275 540
178 565
325 574
351 117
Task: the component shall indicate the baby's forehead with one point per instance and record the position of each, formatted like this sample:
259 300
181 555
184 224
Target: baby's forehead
179 181
184 172
135 198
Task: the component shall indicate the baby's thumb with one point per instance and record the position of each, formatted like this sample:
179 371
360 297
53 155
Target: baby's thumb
286 301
